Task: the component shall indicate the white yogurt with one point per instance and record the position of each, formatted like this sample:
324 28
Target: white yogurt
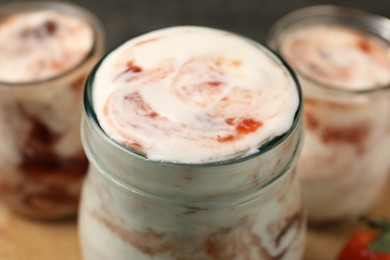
41 44
210 93
338 56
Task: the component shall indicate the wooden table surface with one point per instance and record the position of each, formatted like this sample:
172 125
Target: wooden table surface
23 239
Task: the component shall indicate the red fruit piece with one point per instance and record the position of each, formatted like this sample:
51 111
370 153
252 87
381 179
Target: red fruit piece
365 46
368 244
132 68
248 125
245 126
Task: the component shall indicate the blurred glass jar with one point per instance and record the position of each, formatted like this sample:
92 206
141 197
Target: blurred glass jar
245 208
42 164
346 154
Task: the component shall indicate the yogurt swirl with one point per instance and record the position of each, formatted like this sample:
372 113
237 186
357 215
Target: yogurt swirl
339 56
37 45
193 95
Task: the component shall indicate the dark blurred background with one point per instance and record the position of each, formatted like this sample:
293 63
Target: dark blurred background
123 19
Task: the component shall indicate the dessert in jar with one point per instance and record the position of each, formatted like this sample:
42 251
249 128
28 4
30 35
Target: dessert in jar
192 134
46 52
342 58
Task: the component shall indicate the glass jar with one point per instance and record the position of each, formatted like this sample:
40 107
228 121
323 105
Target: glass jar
345 160
42 163
243 208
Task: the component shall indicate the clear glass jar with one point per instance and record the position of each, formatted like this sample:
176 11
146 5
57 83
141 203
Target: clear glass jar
42 163
345 160
244 208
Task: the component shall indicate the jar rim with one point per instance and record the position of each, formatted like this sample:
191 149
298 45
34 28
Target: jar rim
351 17
267 146
68 8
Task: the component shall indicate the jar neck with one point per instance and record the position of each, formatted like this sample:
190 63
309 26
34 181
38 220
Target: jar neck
206 183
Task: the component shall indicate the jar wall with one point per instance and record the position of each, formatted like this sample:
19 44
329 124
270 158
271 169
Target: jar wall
258 218
345 151
118 224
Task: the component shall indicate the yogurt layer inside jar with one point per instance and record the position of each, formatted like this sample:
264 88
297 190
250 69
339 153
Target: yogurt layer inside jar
41 44
338 56
193 95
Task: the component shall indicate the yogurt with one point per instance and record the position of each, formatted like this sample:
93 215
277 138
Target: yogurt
171 91
41 44
338 56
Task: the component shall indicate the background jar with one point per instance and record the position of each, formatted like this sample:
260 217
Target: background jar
246 208
346 154
42 164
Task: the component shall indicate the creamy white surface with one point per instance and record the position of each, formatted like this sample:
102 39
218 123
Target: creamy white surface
184 85
31 48
338 56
